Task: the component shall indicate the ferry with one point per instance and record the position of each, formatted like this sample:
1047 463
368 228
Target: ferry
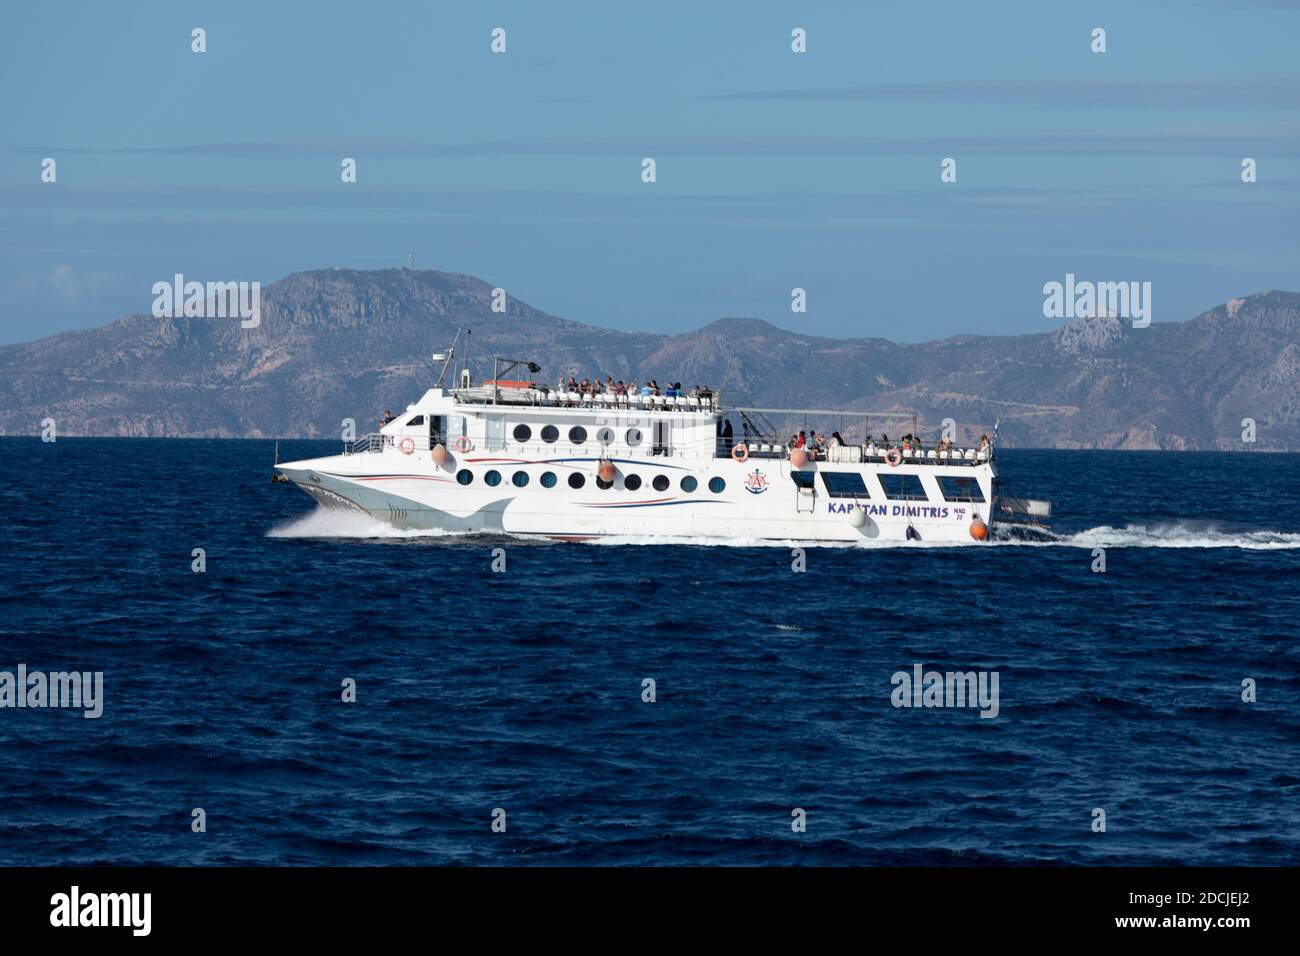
512 456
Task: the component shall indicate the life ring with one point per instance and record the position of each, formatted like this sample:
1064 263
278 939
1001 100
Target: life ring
462 444
407 445
893 458
739 452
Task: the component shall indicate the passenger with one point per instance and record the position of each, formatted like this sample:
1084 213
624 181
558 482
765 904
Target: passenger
694 392
726 436
836 441
388 417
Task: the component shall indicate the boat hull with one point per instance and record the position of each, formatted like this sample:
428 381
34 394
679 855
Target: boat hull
719 498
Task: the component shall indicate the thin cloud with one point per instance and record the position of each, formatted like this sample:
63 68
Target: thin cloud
1195 94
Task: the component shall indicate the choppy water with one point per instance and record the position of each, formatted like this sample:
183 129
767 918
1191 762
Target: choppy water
522 690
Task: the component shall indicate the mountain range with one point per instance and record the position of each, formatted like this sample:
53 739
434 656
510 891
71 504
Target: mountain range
337 344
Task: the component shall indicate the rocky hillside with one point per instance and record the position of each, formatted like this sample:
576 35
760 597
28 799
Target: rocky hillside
342 344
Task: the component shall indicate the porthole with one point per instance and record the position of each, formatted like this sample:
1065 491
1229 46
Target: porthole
631 482
689 484
464 476
519 479
548 479
577 434
576 480
493 478
717 485
602 484
661 482
633 437
523 433
550 433
605 436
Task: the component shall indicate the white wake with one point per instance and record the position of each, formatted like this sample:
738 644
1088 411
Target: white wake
336 523
340 523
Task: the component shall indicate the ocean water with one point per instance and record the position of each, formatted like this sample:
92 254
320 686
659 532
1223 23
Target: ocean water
522 690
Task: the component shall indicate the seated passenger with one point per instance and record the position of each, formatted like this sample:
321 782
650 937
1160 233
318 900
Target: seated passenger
836 441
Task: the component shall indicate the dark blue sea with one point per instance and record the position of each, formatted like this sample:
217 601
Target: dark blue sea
522 690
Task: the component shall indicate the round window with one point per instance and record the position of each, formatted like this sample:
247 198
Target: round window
633 437
548 479
523 433
716 485
493 478
689 484
519 479
661 482
576 480
631 482
603 485
464 476
577 434
605 436
550 433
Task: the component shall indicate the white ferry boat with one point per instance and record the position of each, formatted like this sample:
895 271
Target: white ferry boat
516 457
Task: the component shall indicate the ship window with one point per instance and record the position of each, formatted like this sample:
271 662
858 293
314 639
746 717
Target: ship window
661 482
960 489
802 479
519 478
689 484
602 484
417 420
903 487
605 436
493 478
550 433
523 433
577 434
633 437
548 479
844 484
464 476
576 480
631 482
716 485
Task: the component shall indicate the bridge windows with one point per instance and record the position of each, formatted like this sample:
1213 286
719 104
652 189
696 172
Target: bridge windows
803 480
960 489
902 487
549 434
415 420
522 433
661 483
844 484
689 484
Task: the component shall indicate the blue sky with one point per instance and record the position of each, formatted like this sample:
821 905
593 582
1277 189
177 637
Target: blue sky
775 170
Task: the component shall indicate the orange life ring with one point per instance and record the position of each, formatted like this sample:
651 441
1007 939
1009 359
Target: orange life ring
739 452
407 445
463 444
893 458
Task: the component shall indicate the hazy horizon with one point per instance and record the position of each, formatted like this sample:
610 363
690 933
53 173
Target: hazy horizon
775 170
